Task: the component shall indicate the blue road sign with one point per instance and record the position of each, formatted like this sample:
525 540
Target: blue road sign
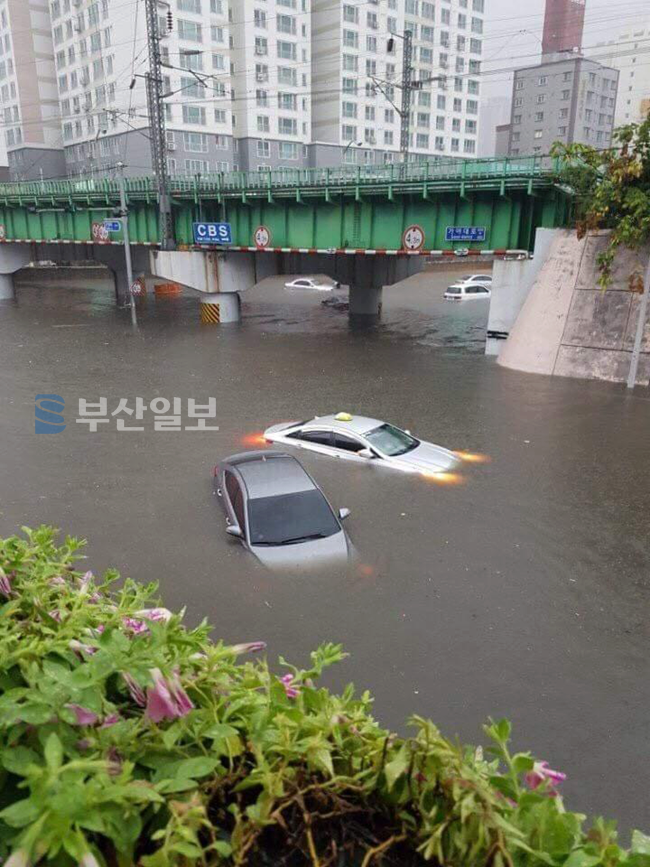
212 233
465 233
112 225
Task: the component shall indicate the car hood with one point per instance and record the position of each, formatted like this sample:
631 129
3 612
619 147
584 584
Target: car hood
430 458
306 556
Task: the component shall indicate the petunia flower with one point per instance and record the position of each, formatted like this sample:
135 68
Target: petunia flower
166 699
157 615
291 691
110 720
5 584
84 717
80 648
250 647
57 581
541 773
137 693
137 627
114 762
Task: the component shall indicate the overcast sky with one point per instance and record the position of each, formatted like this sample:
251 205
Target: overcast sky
507 44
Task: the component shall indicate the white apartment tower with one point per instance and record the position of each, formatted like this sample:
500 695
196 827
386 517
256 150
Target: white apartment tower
271 80
627 53
356 92
29 98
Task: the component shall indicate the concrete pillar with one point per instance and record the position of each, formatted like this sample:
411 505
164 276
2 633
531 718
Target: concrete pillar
122 289
6 287
218 308
365 301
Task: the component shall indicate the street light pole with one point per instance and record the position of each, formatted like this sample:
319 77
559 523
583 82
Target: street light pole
405 114
124 217
157 124
349 145
640 328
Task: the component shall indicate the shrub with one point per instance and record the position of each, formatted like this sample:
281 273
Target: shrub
128 738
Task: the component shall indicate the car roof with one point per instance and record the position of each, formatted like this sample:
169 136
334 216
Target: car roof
271 474
358 424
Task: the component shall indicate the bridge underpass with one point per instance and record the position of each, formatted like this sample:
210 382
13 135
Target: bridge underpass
367 227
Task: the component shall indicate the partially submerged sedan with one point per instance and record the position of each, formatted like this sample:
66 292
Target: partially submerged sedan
278 512
362 439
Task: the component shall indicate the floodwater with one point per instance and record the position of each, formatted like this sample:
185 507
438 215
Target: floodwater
522 592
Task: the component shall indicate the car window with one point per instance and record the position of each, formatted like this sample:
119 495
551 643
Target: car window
348 444
454 290
391 440
322 437
236 498
290 518
484 277
482 290
471 290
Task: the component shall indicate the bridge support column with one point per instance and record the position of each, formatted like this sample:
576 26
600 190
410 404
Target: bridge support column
6 287
219 308
365 301
367 275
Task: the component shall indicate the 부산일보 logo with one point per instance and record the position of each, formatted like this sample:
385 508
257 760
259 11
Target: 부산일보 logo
49 414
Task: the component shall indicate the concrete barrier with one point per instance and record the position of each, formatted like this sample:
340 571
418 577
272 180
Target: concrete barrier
569 326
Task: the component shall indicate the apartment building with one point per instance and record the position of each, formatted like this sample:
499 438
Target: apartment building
629 53
28 90
356 78
568 99
271 82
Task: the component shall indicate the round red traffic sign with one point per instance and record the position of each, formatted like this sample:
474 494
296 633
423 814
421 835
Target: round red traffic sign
262 236
413 238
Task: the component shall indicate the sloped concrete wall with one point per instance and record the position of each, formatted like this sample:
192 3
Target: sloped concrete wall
569 327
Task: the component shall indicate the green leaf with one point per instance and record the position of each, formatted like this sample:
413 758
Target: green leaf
220 730
18 759
21 813
53 752
580 858
200 766
640 843
190 850
397 766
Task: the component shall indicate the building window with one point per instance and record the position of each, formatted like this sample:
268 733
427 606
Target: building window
567 76
455 145
197 167
288 150
388 137
349 85
566 94
350 39
564 112
286 24
189 31
539 133
286 50
261 46
287 75
195 142
350 63
539 116
263 124
259 19
519 84
287 101
262 98
351 14
287 126
516 119
369 136
220 116
541 98
264 150
439 143
194 114
469 146
190 6
422 141
348 133
542 80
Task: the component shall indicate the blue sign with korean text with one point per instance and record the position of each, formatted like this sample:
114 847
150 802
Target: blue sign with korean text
212 233
465 233
112 225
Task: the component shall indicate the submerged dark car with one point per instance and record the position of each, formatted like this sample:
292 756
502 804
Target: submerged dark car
278 512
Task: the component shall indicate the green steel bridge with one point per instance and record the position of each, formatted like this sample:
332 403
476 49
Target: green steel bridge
361 209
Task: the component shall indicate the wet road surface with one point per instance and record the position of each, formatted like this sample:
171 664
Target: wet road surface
522 592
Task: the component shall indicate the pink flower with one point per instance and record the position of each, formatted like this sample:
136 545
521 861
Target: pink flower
166 699
110 720
84 716
250 647
55 614
291 691
58 581
85 583
137 693
541 773
83 744
137 627
5 584
114 762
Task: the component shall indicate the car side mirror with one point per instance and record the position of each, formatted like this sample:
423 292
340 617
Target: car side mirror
234 530
343 513
366 453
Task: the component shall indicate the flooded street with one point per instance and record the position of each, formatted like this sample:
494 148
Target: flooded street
522 592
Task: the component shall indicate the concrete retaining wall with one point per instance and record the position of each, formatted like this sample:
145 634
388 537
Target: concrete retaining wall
568 326
511 284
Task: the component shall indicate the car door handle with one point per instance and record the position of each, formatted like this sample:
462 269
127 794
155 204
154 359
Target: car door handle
219 494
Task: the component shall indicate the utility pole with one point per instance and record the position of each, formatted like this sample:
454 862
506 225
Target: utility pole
157 124
405 114
640 328
124 217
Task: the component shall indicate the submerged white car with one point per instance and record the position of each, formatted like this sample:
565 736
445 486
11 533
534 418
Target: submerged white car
362 439
307 284
475 287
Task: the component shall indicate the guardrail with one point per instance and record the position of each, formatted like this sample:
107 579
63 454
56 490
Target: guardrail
287 178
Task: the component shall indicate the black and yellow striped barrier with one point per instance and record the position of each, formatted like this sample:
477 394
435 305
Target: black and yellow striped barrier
210 314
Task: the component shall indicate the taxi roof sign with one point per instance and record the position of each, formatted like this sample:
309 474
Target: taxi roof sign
343 416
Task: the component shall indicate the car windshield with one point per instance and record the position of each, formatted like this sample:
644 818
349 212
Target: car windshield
290 518
453 290
391 440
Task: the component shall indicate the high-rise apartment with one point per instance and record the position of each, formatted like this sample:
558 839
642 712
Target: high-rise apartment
629 52
570 99
356 78
271 82
29 98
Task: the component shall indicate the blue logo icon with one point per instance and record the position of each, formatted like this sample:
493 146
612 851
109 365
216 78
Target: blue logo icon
49 414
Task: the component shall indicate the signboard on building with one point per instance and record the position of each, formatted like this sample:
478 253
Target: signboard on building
112 225
212 233
465 233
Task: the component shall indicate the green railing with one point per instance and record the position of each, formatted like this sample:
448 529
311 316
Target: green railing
229 183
